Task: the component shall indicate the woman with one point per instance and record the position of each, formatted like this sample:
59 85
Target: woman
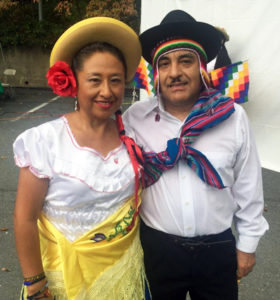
75 219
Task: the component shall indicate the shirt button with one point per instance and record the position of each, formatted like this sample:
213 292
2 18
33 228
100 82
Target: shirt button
187 203
189 228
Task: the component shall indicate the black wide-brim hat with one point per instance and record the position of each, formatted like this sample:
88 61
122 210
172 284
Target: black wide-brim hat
179 24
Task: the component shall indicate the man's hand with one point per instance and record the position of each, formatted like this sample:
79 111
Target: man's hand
245 263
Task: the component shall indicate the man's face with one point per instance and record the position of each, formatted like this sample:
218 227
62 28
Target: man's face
179 77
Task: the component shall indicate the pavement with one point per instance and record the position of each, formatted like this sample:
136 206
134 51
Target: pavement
31 107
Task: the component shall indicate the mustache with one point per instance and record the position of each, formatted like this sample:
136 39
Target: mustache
176 80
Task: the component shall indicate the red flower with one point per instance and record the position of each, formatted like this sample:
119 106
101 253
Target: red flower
62 80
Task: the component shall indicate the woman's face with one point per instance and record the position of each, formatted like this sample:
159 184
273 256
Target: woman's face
101 84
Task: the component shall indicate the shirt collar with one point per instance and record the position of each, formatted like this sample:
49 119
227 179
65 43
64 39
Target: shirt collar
155 103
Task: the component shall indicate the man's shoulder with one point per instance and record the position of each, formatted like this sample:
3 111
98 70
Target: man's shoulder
142 107
240 111
238 108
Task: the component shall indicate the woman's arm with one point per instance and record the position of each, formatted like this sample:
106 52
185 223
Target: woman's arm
30 197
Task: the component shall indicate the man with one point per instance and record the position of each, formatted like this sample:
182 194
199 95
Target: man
208 177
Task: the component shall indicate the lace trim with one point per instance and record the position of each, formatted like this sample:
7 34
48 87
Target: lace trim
93 151
124 280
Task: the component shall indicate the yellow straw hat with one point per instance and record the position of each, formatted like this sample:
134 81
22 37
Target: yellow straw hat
99 29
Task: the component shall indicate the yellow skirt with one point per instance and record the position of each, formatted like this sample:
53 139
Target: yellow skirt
105 263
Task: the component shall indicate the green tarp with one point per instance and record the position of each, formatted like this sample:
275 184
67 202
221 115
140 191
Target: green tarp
1 89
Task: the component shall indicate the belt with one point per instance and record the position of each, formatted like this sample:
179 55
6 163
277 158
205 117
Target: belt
193 243
197 241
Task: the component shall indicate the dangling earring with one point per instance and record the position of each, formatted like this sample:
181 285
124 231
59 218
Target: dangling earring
76 105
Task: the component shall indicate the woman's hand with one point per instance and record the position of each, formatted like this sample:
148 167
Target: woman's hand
41 285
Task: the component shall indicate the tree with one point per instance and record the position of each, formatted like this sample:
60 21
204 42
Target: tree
124 10
120 9
6 4
25 30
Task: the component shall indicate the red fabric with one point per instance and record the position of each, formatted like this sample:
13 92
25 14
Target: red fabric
136 158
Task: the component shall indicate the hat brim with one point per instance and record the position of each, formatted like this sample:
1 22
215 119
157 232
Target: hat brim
99 29
204 34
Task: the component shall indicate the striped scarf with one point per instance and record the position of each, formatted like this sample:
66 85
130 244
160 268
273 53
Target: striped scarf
210 109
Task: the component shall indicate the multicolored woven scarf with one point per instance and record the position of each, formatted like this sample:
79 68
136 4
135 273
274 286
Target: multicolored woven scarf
210 109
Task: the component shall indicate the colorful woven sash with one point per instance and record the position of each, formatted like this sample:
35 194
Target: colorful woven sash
210 109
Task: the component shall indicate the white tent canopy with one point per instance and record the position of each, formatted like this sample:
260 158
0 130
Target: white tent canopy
253 30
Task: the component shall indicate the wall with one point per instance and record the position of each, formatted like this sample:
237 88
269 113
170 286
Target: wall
31 66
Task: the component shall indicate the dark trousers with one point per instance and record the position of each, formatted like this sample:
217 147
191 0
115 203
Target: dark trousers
204 267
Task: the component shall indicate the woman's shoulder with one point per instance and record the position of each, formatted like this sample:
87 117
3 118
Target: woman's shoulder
43 131
54 125
39 137
31 147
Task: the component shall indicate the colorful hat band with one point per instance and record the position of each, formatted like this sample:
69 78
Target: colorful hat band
178 43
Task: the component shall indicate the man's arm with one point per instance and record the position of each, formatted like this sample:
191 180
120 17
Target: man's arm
248 194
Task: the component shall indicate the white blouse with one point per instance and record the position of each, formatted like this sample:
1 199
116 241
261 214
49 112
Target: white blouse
84 186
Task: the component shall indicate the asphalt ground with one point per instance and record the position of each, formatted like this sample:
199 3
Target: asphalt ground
32 107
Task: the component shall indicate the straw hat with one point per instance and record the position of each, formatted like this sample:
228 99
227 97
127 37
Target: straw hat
99 29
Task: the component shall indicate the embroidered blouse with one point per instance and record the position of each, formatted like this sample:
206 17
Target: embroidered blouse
84 186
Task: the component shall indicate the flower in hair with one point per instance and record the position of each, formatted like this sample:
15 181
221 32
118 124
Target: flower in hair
62 80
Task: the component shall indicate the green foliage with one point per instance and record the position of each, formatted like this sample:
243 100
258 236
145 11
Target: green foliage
124 10
20 25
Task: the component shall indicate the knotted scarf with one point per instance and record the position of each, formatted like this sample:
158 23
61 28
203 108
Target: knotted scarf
210 109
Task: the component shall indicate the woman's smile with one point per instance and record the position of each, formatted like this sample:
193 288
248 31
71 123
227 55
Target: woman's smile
104 103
